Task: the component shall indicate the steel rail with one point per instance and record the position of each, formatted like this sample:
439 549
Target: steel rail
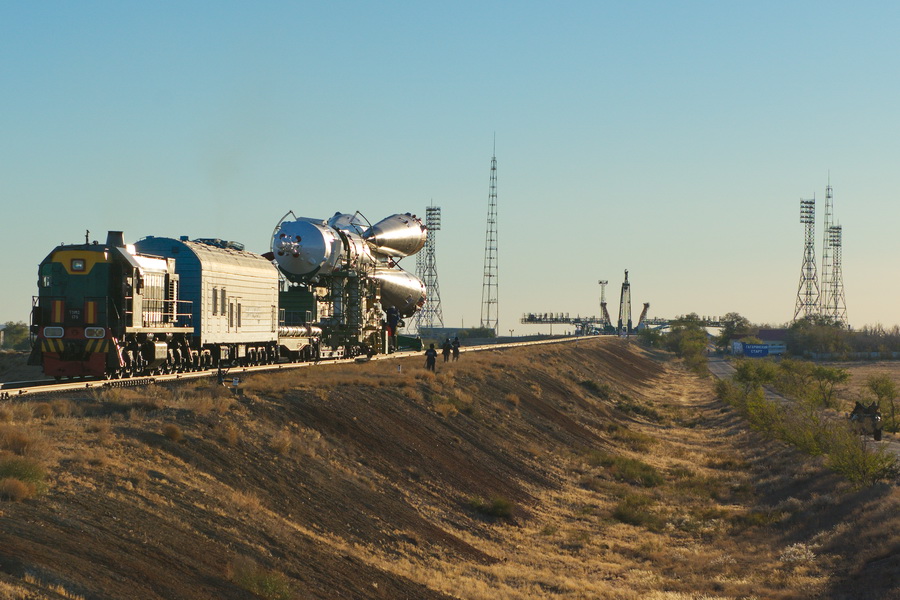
19 389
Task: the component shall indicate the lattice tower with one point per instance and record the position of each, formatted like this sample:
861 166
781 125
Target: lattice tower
826 271
837 304
430 315
624 325
489 286
808 291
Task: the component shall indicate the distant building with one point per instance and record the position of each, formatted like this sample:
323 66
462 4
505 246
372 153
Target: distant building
772 342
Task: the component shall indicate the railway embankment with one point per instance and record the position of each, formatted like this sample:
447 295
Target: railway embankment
586 469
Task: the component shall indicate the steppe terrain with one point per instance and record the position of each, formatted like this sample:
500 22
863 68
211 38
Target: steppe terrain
588 469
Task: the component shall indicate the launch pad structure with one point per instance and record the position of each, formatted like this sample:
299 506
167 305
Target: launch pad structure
603 323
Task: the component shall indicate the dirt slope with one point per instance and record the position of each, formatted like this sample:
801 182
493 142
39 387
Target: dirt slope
505 475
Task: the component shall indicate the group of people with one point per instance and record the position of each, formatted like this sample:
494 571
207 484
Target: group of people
449 347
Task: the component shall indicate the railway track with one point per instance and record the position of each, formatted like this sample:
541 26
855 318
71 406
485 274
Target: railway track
21 389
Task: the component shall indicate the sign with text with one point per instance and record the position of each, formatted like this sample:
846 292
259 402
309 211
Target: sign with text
756 350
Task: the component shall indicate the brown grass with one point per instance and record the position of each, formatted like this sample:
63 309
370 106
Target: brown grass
15 490
172 432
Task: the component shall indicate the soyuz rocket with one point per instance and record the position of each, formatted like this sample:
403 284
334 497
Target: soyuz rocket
306 250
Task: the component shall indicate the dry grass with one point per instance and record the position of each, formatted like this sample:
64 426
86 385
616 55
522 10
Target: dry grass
172 432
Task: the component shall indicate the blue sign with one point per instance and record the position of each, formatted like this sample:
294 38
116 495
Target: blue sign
756 350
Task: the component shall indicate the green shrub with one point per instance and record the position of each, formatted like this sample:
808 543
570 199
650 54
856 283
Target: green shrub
636 509
495 507
267 584
628 470
25 470
862 464
601 390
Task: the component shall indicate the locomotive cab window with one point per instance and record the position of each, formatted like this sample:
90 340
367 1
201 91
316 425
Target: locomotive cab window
77 265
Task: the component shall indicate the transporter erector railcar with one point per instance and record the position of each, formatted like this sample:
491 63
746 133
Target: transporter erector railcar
165 304
348 271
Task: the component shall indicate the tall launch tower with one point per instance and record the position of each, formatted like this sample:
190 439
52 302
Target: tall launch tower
430 316
624 325
808 291
489 285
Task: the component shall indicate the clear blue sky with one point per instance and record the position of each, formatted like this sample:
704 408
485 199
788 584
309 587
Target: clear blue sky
673 139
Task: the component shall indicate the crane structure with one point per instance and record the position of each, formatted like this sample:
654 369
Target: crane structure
489 286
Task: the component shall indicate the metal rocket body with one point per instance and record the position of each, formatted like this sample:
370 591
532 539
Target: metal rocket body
308 250
397 235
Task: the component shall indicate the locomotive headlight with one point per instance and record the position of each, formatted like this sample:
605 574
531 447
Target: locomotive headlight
53 332
94 333
78 265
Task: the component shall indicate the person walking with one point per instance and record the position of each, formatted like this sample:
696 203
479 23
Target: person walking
446 350
455 345
430 358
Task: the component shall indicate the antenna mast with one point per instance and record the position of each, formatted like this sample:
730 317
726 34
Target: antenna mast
808 291
826 290
489 285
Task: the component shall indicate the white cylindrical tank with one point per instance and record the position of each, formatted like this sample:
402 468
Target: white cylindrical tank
304 248
401 289
397 235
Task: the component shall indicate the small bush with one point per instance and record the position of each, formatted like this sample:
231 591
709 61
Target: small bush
797 554
629 470
495 507
267 584
173 432
445 409
15 489
15 440
862 465
228 433
627 405
601 390
42 410
635 509
282 442
25 470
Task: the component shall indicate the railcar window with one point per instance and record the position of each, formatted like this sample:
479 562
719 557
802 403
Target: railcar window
215 301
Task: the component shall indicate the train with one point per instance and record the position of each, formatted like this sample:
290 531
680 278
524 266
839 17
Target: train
326 289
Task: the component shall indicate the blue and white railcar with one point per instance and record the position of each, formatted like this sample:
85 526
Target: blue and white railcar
234 296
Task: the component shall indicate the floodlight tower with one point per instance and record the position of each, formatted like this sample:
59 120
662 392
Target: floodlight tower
430 316
825 289
624 325
808 291
489 285
837 304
